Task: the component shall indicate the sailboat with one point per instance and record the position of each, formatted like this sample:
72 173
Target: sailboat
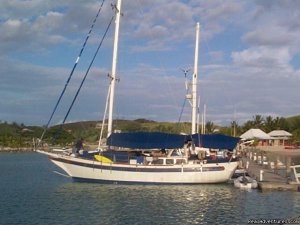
151 158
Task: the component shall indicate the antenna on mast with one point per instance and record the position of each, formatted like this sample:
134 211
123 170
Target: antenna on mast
185 71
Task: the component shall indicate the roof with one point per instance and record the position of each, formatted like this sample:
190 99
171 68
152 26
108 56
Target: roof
255 133
280 133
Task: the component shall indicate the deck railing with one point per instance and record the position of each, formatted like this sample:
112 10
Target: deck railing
296 170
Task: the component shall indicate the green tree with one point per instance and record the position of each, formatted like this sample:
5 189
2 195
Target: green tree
235 129
58 136
258 122
280 123
247 125
269 124
209 127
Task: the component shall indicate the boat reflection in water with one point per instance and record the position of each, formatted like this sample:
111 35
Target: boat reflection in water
173 204
52 199
153 204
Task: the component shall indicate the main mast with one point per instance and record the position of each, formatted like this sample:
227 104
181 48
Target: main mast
194 82
114 68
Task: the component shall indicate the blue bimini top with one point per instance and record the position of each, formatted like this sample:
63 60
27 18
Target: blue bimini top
158 140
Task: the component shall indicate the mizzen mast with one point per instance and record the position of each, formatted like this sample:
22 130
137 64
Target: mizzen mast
194 82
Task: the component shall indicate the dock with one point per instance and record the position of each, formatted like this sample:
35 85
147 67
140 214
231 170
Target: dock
270 177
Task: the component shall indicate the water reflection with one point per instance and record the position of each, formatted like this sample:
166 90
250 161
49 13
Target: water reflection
32 194
199 204
137 204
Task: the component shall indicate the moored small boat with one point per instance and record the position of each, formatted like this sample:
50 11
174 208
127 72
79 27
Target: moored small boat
245 182
239 172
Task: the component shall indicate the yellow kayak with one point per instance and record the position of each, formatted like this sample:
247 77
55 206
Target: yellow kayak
103 159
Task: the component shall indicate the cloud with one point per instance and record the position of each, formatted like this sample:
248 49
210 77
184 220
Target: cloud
247 92
215 16
29 92
216 55
46 23
271 36
274 24
156 24
220 10
151 89
257 57
248 58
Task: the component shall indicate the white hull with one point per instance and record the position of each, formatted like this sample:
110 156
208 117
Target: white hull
251 183
94 171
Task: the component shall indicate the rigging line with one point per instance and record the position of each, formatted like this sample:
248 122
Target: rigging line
182 108
104 117
72 71
88 70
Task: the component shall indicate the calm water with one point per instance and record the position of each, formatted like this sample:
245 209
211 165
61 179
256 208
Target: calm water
30 193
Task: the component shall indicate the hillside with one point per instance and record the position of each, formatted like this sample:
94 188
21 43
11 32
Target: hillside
18 135
90 130
294 120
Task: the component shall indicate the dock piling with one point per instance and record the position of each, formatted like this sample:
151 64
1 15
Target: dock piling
261 175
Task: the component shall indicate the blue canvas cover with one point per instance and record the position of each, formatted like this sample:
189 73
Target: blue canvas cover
157 140
146 140
215 141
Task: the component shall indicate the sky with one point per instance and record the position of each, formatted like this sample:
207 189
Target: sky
249 59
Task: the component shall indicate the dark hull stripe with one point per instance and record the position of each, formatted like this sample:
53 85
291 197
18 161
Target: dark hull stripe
139 169
87 180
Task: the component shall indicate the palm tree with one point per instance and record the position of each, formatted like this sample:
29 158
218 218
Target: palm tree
248 125
280 123
210 127
269 124
258 121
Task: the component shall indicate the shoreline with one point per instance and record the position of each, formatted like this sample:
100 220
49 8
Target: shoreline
12 150
87 146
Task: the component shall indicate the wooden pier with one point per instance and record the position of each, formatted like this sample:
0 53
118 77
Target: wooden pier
270 178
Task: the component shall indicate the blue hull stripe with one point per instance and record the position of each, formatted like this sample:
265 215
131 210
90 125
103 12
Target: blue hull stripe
87 180
139 169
